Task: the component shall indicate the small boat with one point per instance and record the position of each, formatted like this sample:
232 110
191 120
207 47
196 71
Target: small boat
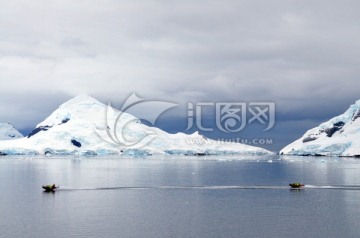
296 185
50 187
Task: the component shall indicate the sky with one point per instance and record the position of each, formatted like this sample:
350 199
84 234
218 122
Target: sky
302 55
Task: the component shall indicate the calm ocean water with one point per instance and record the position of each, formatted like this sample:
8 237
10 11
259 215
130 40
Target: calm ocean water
180 197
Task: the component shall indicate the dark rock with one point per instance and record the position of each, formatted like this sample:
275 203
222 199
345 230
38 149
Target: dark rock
45 128
200 154
64 121
339 124
76 143
337 127
2 153
38 129
307 139
356 115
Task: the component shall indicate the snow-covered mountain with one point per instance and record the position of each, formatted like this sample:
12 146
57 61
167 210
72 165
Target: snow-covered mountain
8 132
340 136
86 126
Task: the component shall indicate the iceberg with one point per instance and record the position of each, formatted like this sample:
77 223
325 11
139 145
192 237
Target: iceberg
85 126
8 132
340 136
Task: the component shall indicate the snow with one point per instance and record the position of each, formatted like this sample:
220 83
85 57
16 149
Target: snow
340 136
85 126
8 132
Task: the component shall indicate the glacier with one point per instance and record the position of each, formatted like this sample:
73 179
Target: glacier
8 132
340 136
85 126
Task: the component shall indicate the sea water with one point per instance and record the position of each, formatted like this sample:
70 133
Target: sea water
180 197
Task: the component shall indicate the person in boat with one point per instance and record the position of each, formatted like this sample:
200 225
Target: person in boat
296 185
50 187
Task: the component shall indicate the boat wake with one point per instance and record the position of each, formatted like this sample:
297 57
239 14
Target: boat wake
339 187
181 187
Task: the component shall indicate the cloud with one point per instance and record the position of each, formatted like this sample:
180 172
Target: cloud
26 110
303 55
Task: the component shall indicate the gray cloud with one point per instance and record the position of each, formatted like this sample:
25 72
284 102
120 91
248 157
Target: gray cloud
28 109
304 55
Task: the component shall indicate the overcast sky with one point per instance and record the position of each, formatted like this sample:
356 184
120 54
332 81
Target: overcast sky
302 55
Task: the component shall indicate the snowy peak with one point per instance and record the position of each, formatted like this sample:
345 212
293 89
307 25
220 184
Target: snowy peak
86 126
77 106
339 136
81 100
79 110
8 132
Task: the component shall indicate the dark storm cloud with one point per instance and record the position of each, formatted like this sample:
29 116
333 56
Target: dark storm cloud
28 109
304 55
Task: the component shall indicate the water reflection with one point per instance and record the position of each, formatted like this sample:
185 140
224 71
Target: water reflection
180 197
